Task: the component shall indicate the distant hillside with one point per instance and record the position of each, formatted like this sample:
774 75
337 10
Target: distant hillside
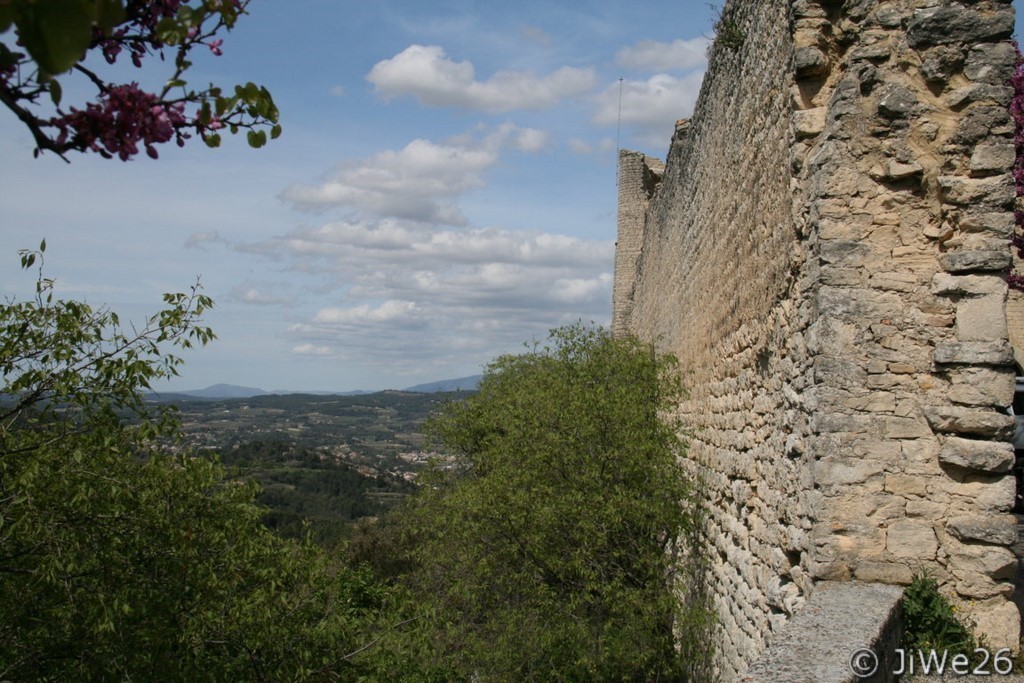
224 391
460 384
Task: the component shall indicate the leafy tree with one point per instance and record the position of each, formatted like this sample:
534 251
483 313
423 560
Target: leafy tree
551 550
59 37
121 561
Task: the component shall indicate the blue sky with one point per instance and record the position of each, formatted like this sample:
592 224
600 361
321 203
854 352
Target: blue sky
444 189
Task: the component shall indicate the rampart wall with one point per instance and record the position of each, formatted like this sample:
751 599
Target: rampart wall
825 252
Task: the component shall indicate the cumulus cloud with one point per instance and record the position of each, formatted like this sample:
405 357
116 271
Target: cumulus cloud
253 295
603 146
420 181
652 55
405 294
426 73
650 108
198 240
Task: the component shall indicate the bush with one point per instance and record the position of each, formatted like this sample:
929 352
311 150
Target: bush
548 550
930 622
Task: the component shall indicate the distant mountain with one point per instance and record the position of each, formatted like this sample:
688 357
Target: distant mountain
459 384
224 391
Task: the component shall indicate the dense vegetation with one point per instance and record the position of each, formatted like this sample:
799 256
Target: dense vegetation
546 547
550 549
306 492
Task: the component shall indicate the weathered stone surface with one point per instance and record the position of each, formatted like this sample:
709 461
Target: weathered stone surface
940 63
809 122
962 285
996 529
955 23
999 620
809 61
981 318
974 353
839 618
993 156
980 456
793 258
979 122
995 191
990 63
911 539
884 572
896 101
984 423
999 224
965 261
980 92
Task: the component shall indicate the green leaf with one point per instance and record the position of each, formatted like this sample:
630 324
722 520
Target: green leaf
170 31
257 138
56 33
109 13
55 92
6 16
275 132
212 140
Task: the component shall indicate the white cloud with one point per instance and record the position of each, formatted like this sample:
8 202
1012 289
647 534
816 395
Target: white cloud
198 239
650 108
600 147
388 311
426 73
337 90
252 295
405 295
312 350
680 54
414 182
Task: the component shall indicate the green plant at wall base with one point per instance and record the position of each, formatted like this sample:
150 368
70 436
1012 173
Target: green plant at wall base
930 621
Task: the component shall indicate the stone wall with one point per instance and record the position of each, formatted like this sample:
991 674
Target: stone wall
824 253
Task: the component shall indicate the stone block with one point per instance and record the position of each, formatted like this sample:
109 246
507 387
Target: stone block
995 529
981 319
955 23
809 61
991 63
963 285
911 539
1000 224
809 122
997 156
999 622
997 352
996 191
884 572
905 428
834 471
896 101
979 456
963 260
958 420
939 64
978 386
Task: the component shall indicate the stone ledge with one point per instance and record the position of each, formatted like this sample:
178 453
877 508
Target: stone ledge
839 619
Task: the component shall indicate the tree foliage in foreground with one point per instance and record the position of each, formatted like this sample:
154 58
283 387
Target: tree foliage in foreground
121 562
550 551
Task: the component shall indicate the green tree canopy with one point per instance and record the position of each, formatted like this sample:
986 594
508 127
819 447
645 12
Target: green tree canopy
549 548
121 559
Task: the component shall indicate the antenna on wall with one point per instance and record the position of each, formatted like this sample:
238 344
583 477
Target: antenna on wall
618 136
